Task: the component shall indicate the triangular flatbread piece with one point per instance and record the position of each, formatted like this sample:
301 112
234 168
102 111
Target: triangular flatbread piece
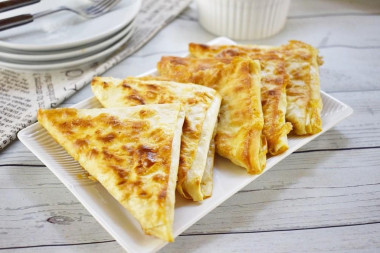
133 152
274 81
207 178
201 105
304 103
239 131
303 92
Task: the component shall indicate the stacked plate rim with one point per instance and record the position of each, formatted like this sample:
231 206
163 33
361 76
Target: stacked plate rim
64 39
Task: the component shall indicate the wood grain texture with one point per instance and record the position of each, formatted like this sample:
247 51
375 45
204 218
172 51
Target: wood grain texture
306 190
323 198
314 240
341 239
332 8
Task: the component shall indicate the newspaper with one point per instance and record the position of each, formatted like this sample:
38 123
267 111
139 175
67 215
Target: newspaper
23 92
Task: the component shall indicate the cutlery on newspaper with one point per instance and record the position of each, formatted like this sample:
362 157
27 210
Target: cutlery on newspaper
13 4
88 11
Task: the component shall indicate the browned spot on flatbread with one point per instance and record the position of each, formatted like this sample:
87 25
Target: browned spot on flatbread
144 194
85 123
93 153
128 149
60 113
162 194
272 92
150 159
107 138
110 157
151 94
270 80
159 178
137 99
146 157
158 135
202 46
166 99
147 113
139 125
229 53
81 143
105 85
190 132
191 101
126 86
121 172
121 182
147 154
136 183
152 87
177 60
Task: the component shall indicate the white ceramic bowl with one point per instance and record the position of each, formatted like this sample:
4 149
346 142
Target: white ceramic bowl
243 19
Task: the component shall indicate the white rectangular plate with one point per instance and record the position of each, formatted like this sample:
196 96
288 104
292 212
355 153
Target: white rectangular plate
112 216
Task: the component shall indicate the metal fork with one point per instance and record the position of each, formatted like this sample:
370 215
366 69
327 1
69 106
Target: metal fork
88 11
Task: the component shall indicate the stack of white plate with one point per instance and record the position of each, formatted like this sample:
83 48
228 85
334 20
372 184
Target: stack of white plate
64 39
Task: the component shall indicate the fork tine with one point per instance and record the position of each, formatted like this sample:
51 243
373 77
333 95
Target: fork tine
111 3
105 6
100 6
91 8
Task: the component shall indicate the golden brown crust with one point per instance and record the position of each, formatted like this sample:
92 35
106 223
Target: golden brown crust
197 101
129 153
303 92
238 136
301 65
273 88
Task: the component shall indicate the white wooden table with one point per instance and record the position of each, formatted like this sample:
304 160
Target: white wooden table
325 197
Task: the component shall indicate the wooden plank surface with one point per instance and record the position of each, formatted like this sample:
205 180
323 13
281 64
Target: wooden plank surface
323 198
304 191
